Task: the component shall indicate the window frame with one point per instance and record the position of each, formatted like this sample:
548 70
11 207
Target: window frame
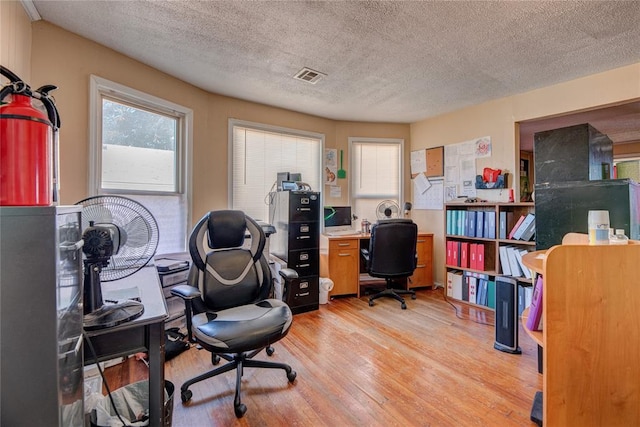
274 129
100 88
400 142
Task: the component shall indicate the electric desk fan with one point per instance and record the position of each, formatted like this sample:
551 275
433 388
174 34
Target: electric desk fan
387 209
120 237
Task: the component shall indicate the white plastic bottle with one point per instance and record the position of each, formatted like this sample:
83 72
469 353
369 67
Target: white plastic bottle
619 238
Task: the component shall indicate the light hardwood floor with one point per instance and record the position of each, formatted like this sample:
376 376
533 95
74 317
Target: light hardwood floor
373 366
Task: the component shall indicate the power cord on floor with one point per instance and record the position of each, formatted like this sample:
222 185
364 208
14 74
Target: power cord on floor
463 318
104 380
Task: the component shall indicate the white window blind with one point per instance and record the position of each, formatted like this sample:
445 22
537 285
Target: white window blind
376 174
259 153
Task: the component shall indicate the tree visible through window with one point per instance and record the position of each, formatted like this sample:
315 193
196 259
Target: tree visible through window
139 149
139 146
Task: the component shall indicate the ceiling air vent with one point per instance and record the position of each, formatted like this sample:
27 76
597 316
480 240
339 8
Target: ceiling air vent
310 76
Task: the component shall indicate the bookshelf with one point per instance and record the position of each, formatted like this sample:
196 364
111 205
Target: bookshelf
590 335
476 257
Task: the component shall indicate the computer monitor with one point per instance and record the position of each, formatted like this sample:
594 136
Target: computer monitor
337 218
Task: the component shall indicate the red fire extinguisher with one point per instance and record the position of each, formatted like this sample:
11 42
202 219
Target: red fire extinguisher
26 144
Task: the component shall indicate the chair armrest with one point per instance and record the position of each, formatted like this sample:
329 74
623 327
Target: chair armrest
186 292
288 274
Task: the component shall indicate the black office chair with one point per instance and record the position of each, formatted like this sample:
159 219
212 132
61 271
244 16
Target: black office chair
392 256
227 304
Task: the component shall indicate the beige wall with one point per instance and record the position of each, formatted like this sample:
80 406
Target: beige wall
499 118
626 150
344 130
15 40
67 60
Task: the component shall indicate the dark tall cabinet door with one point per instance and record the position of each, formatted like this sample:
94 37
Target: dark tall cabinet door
572 166
573 153
41 364
563 207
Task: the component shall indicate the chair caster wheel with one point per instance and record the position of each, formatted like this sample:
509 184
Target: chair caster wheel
215 359
370 303
240 410
403 306
270 351
413 296
291 376
186 395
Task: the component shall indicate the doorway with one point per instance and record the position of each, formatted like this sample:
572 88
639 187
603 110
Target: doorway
620 122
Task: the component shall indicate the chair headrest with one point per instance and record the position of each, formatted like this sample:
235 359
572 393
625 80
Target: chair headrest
394 221
226 229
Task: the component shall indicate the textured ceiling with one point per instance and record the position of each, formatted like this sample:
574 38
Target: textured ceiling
385 61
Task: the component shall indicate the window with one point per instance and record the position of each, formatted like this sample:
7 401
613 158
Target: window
627 167
259 152
139 146
376 174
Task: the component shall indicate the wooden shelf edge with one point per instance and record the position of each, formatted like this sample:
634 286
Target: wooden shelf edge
517 242
534 260
479 239
535 335
487 272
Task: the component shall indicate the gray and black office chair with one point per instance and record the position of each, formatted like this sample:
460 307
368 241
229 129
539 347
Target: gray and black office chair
392 256
228 308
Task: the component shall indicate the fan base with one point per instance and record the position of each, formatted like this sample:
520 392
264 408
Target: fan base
110 315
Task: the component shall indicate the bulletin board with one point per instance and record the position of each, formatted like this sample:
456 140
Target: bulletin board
435 162
429 162
427 170
460 174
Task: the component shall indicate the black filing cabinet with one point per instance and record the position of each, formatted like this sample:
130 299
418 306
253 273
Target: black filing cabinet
296 218
41 316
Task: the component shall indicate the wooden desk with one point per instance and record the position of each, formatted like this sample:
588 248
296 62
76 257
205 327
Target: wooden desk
340 260
591 334
144 334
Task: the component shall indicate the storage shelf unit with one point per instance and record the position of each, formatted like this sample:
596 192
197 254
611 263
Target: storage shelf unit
591 336
458 234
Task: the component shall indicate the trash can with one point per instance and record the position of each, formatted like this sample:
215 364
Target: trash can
132 402
326 285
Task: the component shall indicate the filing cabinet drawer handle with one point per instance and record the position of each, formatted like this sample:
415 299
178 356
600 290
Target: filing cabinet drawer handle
421 241
420 265
344 244
344 254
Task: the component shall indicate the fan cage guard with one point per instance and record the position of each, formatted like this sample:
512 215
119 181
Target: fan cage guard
132 217
395 208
